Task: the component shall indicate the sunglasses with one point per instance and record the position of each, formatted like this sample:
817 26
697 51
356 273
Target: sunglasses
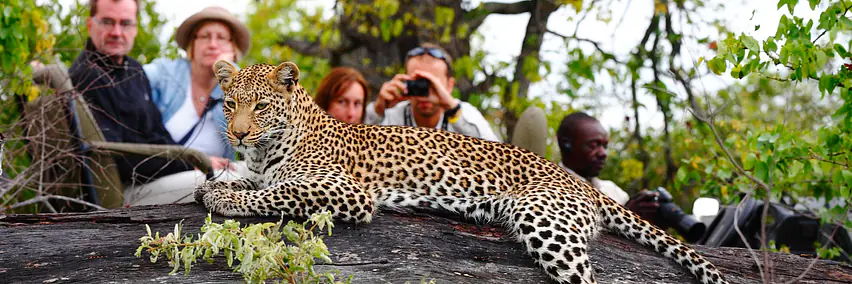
434 52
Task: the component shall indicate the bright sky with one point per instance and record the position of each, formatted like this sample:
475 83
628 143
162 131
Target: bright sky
503 35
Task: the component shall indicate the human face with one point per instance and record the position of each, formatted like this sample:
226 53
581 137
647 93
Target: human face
113 28
588 149
349 106
212 41
428 106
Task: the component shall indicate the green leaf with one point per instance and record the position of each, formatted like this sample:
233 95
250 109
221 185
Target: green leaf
840 50
750 43
769 45
847 177
821 59
761 171
795 168
750 160
813 3
717 65
846 22
824 81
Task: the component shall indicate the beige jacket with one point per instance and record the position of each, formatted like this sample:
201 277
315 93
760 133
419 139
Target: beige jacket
607 187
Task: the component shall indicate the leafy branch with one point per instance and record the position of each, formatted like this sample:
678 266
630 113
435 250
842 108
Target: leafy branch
709 120
260 248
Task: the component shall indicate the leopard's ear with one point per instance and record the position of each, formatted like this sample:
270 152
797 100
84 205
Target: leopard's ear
284 77
225 73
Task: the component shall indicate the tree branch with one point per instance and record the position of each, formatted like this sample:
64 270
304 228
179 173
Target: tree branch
306 47
825 31
709 120
597 45
478 14
50 196
486 84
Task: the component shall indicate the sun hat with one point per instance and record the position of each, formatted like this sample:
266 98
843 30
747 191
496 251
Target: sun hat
239 32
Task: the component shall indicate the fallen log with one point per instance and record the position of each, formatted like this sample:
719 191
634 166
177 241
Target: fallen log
98 247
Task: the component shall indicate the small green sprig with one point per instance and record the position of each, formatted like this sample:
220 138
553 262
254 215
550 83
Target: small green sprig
261 248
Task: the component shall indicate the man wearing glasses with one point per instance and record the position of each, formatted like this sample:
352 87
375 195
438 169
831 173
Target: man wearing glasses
423 97
118 90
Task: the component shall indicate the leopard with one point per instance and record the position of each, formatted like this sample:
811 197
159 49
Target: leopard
302 161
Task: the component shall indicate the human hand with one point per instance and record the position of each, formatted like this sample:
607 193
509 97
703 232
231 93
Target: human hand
644 204
36 64
445 98
391 93
219 163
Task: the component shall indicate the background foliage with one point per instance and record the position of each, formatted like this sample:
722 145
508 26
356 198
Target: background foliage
783 123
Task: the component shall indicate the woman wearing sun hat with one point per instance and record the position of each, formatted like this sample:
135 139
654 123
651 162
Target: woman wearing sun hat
188 96
186 90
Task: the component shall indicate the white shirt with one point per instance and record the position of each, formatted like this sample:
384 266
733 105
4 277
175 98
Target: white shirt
205 138
607 187
471 122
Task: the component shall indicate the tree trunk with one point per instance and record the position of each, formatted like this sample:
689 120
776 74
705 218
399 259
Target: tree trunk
99 247
530 47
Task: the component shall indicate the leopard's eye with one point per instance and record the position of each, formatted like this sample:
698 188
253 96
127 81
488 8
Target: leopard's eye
261 106
231 104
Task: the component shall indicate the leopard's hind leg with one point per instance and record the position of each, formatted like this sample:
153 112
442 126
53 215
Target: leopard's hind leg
556 229
555 226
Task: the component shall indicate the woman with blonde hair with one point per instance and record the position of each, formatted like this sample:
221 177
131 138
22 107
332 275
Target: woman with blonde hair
185 89
189 98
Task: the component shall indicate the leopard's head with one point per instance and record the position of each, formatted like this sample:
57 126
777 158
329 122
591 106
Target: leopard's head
258 101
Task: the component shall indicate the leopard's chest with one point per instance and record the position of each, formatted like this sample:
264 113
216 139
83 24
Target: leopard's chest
267 167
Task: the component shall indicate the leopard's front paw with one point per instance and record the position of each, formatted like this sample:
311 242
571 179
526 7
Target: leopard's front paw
226 202
202 189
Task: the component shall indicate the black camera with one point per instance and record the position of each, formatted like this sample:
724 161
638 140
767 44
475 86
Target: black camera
670 214
417 88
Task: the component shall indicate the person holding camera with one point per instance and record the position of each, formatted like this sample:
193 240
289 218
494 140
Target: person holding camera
583 142
423 97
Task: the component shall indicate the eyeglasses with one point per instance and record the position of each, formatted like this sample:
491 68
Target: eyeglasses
126 25
434 52
207 38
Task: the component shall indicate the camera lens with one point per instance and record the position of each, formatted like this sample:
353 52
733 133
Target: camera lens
417 88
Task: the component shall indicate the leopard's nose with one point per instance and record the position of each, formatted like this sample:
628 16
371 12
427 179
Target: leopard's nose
240 135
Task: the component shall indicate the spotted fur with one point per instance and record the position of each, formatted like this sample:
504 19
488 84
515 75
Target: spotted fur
304 161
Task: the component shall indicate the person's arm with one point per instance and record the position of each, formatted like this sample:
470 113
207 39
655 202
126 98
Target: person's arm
371 117
157 77
469 121
88 82
646 205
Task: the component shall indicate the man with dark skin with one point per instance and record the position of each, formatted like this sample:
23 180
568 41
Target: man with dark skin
583 142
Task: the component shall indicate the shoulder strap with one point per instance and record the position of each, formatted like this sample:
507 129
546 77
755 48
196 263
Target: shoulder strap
408 121
210 104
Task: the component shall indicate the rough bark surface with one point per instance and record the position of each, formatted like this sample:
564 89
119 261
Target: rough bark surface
98 247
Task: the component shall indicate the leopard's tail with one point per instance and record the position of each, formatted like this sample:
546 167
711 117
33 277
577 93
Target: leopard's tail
621 220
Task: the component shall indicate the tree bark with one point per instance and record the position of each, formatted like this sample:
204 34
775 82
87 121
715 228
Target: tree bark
530 47
99 247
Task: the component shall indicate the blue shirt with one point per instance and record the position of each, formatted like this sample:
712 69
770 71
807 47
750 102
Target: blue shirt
169 79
